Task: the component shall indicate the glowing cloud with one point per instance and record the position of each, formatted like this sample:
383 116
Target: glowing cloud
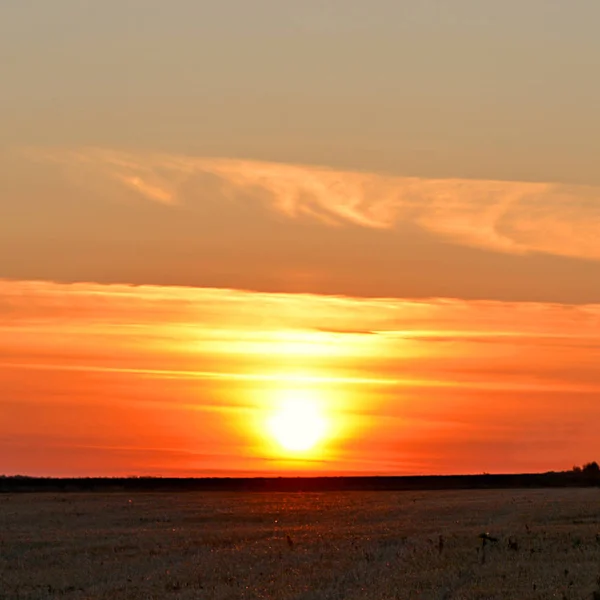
505 216
183 380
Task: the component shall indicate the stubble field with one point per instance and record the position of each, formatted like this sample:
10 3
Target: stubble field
341 546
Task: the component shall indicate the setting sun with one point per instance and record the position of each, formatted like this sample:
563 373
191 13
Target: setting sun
298 423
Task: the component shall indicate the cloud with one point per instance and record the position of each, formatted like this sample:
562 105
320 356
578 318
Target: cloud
503 216
196 372
230 335
153 192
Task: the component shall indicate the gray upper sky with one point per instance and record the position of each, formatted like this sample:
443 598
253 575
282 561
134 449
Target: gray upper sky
436 88
110 112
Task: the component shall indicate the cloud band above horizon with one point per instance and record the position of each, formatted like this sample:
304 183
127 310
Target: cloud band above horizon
408 385
146 218
504 216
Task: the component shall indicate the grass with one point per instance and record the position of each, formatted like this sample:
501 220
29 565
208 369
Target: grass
344 546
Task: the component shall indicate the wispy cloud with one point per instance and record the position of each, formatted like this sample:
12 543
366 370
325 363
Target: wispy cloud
152 191
231 335
505 216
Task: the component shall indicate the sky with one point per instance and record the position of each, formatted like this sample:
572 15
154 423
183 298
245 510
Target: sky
298 238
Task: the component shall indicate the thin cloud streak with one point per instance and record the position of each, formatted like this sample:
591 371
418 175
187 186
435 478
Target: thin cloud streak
504 216
215 375
169 332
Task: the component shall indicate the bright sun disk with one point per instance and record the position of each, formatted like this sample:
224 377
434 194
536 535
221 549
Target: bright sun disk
298 424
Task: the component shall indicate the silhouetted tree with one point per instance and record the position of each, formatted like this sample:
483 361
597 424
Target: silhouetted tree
591 468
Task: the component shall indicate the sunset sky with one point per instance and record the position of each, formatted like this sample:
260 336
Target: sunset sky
343 237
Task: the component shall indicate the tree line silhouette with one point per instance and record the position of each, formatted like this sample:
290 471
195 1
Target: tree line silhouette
584 476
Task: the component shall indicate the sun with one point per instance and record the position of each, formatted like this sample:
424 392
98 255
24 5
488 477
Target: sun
297 424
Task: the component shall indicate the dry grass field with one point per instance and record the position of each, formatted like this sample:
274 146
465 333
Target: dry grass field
341 546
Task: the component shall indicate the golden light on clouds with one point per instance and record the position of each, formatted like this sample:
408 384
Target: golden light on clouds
504 216
168 380
192 221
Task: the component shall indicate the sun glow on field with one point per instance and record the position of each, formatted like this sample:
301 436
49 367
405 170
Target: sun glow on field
298 423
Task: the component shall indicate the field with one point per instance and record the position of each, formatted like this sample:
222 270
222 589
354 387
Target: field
344 546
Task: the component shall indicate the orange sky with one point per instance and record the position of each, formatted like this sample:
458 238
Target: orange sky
115 216
225 226
115 379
